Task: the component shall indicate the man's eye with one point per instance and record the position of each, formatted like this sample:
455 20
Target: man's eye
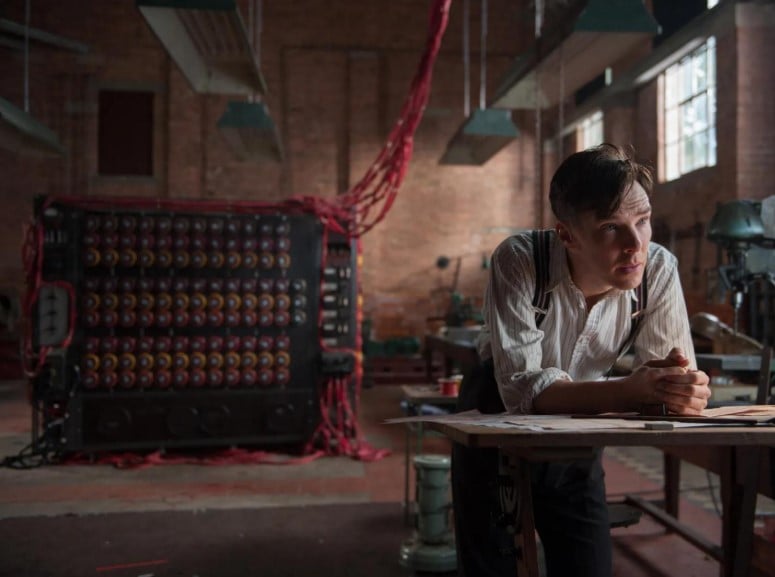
644 220
608 227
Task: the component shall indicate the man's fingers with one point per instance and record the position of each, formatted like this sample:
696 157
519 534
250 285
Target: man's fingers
691 391
677 355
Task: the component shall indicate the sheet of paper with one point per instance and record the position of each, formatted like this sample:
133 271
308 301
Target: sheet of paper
535 422
741 411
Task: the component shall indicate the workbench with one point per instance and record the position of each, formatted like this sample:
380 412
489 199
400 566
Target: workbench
737 453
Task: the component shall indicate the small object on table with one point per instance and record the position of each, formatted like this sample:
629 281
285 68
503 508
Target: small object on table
448 386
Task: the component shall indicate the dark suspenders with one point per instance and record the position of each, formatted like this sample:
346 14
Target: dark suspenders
541 255
542 298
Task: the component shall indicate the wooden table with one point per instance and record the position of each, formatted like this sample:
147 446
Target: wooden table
738 450
416 396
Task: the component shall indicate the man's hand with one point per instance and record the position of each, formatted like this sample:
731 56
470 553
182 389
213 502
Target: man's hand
675 358
669 381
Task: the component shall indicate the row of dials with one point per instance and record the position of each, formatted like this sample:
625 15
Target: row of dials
247 226
184 379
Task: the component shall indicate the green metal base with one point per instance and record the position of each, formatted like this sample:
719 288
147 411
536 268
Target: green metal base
436 558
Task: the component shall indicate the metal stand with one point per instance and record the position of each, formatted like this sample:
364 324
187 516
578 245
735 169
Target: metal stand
432 547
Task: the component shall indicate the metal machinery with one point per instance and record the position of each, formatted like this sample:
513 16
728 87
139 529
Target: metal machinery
432 547
181 324
737 227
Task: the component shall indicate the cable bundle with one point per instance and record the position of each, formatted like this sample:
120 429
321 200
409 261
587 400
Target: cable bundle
367 203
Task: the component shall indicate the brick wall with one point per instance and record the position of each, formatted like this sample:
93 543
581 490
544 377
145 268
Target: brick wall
755 102
338 73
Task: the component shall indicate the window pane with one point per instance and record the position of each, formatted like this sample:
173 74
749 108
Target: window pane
712 105
711 61
687 119
687 156
712 147
671 87
700 105
699 72
686 79
700 149
671 161
591 129
671 126
689 136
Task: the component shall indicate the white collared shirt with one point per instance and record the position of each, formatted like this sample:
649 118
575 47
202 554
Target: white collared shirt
571 343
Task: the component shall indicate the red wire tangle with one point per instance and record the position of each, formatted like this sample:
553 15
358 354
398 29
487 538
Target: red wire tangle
354 214
367 203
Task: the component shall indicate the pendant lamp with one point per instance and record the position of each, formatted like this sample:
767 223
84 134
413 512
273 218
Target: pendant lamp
487 130
247 126
19 131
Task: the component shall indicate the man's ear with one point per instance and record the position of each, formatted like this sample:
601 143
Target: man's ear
564 234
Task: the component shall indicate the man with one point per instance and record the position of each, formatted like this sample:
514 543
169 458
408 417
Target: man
555 359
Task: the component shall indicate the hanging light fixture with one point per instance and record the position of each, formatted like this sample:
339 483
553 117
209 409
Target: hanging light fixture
19 131
604 32
487 130
247 126
250 132
208 41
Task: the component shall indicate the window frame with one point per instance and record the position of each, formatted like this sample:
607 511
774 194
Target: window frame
689 113
588 128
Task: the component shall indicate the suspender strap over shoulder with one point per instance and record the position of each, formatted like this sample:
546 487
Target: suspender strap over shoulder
541 255
637 306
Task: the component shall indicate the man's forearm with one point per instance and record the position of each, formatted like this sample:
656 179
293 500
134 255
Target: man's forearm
585 397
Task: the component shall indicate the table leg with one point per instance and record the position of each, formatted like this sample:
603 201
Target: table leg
672 472
525 537
739 484
406 468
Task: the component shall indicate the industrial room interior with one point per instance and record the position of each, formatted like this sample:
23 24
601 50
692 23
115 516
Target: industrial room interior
240 235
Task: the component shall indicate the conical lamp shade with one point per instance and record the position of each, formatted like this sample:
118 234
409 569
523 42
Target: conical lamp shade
20 132
250 131
480 137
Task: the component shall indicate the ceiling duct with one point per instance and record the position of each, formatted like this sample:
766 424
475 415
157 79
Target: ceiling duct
208 41
485 132
12 36
19 131
604 32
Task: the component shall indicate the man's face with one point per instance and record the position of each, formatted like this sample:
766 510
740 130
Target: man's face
611 252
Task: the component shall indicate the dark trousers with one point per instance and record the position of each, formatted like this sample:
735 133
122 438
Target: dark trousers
569 505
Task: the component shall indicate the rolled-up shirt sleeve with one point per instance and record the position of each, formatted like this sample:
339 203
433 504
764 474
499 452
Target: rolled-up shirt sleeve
514 339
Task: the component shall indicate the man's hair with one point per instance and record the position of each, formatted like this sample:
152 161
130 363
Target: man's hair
596 179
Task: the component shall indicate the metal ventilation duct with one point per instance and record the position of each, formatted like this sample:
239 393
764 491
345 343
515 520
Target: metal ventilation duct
604 32
208 40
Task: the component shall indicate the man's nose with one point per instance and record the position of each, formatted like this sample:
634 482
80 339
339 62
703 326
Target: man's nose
632 241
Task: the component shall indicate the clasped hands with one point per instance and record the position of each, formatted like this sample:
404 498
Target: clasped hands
682 390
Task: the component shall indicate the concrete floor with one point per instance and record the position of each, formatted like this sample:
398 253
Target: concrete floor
641 550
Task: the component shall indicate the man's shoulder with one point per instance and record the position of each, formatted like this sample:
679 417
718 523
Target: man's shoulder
515 253
660 257
522 242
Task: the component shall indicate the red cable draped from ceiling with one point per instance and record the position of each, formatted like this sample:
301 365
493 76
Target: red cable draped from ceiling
367 203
